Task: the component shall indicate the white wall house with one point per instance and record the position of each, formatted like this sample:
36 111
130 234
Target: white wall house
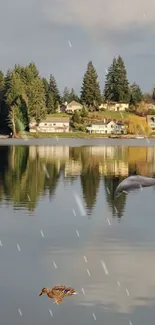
51 124
114 106
151 121
106 127
72 107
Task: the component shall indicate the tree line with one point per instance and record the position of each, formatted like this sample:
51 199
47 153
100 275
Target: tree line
25 95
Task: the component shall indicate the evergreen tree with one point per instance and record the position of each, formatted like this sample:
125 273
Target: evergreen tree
90 91
2 85
122 81
136 94
116 85
153 94
46 88
37 100
110 89
53 92
50 104
15 100
76 117
73 96
25 96
65 97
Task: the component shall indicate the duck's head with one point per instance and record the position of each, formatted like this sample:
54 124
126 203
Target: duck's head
43 291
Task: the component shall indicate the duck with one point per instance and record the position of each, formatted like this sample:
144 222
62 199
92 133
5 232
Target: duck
58 292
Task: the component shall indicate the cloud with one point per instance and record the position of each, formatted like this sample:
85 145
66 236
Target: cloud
36 30
100 15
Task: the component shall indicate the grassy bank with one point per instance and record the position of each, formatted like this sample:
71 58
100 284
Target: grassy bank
77 134
83 135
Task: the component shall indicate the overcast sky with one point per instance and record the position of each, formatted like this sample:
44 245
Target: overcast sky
61 36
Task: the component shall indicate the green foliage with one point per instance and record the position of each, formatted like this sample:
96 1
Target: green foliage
136 95
46 88
76 117
2 84
15 94
53 96
116 85
90 91
110 90
36 100
51 107
84 112
73 96
66 95
79 127
24 96
153 94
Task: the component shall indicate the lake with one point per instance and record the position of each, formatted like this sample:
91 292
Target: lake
61 224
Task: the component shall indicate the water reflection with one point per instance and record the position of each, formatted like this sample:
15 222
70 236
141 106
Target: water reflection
23 178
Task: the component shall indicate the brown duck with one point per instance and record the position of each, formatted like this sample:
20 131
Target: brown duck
58 292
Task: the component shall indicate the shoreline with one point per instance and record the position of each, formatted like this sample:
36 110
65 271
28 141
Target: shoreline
73 141
76 135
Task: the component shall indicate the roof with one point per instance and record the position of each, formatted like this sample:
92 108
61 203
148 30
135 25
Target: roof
74 103
106 123
55 119
99 123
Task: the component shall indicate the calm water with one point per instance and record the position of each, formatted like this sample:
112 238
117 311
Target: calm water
60 224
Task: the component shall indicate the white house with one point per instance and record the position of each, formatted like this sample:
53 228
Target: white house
72 107
51 124
150 106
151 122
114 106
105 127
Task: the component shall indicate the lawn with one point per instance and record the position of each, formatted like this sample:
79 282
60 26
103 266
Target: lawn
57 115
110 114
77 134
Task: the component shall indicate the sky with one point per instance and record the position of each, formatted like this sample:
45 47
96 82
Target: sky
62 36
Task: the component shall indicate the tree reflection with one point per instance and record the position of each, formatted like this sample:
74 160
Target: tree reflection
117 205
23 179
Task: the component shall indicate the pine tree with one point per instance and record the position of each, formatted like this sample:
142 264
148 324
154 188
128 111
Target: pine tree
90 91
116 85
2 84
53 92
136 94
50 103
153 94
110 89
37 100
46 85
65 97
122 81
73 96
